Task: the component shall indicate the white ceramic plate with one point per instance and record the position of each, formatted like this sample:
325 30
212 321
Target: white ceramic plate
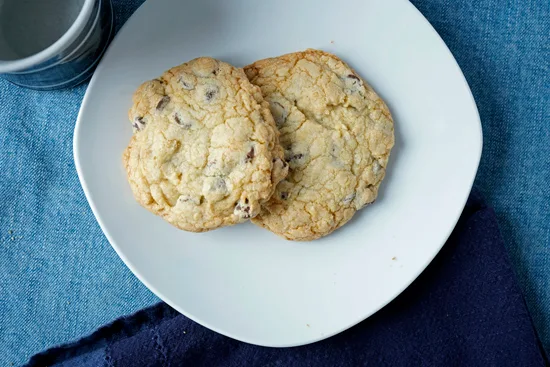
245 282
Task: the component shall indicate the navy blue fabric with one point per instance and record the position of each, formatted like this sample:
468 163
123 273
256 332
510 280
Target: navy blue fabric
466 309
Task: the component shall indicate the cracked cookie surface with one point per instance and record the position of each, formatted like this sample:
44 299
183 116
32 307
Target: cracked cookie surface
205 151
337 135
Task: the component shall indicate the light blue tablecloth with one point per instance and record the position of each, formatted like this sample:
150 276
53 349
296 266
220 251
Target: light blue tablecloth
60 279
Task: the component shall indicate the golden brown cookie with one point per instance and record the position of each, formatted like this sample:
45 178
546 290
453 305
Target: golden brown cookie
205 151
337 135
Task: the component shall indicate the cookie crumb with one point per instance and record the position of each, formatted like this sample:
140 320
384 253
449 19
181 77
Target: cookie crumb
307 325
394 258
185 332
332 42
10 231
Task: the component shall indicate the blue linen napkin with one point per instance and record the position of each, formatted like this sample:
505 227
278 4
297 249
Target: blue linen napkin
465 309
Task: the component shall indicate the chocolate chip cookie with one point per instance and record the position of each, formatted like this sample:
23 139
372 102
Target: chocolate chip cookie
205 151
337 135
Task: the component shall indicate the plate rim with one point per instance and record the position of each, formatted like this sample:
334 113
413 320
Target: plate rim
77 160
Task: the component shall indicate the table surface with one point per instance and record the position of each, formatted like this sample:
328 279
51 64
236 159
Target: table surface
60 279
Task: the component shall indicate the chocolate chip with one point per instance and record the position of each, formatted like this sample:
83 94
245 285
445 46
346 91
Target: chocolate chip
210 93
249 155
186 86
352 76
189 199
216 185
162 103
219 185
348 199
179 121
282 162
279 113
215 72
139 123
242 210
284 195
295 157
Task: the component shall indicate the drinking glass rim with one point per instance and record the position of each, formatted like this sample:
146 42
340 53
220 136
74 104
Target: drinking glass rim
70 35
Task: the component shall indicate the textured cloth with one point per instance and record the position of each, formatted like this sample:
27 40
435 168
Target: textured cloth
60 279
466 309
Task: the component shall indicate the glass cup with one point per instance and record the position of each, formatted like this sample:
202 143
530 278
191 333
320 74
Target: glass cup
53 44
